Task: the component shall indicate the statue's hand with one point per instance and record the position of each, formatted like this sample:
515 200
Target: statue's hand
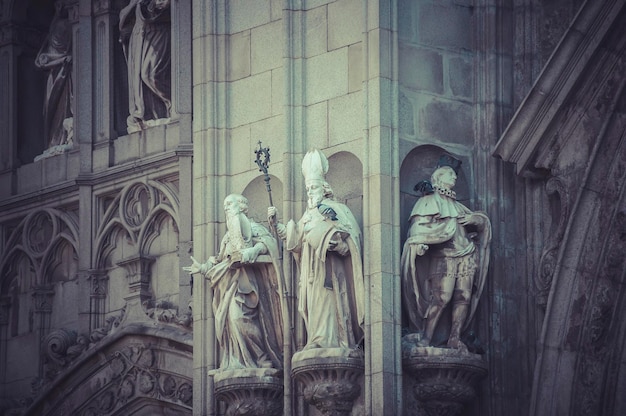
339 246
194 268
272 215
422 249
470 219
249 255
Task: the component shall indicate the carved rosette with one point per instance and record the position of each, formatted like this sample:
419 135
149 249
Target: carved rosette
331 378
250 391
445 380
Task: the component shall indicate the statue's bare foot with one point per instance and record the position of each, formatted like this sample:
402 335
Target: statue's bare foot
424 342
457 344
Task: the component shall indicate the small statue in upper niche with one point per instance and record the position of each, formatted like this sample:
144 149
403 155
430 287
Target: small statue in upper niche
326 243
244 277
145 32
444 260
55 57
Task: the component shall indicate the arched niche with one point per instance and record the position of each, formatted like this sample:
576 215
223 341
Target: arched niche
418 165
345 176
34 18
258 197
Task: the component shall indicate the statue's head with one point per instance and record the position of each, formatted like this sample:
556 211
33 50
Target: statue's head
314 169
444 177
235 204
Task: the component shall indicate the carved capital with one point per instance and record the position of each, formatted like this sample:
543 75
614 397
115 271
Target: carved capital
101 7
98 281
42 297
331 378
258 391
137 272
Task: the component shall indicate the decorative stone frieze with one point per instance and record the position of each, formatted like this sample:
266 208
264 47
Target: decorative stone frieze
445 380
331 378
250 391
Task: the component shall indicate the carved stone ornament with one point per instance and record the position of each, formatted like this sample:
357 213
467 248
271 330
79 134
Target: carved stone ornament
250 391
331 378
445 380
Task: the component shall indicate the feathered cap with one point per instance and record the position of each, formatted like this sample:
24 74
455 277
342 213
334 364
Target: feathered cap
314 166
447 160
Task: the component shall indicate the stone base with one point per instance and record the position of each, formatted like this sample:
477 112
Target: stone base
250 391
445 379
330 377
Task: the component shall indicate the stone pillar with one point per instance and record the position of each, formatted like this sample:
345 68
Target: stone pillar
381 214
331 378
8 108
445 380
138 275
250 391
105 19
42 302
5 308
97 294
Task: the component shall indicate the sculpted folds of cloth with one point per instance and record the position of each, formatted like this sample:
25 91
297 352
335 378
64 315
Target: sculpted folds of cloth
55 57
145 34
326 243
444 261
244 278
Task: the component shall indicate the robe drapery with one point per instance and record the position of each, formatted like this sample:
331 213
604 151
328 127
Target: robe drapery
434 222
145 36
246 305
330 286
55 56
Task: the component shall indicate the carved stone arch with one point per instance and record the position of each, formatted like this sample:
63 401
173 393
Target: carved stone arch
56 257
106 242
13 287
38 235
134 370
151 227
582 345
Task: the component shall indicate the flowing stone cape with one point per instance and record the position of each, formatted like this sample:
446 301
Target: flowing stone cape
343 274
230 280
415 268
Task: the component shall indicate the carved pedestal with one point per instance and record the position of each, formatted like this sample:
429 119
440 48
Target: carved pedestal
330 377
445 379
250 391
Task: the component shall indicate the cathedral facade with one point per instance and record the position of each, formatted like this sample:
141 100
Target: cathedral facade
128 125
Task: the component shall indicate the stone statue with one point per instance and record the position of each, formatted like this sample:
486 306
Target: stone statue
145 33
246 303
444 260
326 243
55 57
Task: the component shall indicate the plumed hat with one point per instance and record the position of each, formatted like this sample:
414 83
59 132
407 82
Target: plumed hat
447 160
314 166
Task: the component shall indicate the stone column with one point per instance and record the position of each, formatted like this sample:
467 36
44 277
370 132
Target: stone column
42 303
104 43
8 108
381 214
331 378
5 308
97 294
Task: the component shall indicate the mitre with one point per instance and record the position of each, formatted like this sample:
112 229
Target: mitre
314 166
